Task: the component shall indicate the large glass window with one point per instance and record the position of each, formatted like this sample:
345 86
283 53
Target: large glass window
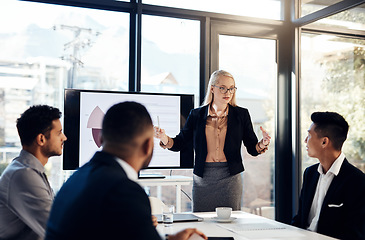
170 55
332 79
270 9
353 19
310 6
170 64
45 48
252 62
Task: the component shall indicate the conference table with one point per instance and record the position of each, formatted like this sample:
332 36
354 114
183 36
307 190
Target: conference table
244 226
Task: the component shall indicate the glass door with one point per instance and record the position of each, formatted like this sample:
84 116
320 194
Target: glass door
252 62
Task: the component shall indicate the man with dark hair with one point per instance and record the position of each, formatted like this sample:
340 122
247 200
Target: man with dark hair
332 200
102 200
25 194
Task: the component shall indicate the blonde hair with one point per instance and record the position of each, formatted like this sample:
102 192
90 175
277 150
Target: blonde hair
214 78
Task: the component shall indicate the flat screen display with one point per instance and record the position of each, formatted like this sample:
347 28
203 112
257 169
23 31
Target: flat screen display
83 115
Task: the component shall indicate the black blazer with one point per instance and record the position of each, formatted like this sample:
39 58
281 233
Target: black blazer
100 202
348 189
239 129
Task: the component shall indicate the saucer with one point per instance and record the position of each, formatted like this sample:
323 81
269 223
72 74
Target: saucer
224 220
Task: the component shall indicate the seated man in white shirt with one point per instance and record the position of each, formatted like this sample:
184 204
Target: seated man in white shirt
332 200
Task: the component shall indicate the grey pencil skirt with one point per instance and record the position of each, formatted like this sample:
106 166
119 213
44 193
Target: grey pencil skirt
217 188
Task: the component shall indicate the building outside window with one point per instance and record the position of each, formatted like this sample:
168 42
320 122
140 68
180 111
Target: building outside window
45 48
170 55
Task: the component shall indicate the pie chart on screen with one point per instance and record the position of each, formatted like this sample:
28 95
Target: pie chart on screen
95 122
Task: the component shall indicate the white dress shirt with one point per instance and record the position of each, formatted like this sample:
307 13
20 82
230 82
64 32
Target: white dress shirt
323 184
131 173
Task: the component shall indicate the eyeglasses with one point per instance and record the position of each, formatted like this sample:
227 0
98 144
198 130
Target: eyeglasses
224 90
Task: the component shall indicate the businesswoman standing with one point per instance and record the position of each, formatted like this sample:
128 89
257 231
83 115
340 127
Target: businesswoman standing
217 129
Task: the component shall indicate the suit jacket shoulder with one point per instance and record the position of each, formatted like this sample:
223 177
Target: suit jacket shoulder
100 202
25 199
343 210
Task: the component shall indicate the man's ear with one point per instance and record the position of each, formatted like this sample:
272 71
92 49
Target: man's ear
40 139
147 146
325 142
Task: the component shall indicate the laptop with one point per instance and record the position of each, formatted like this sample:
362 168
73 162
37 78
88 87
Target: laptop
181 217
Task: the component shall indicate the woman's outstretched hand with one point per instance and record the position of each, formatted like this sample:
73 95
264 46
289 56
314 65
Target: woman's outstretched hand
160 134
265 137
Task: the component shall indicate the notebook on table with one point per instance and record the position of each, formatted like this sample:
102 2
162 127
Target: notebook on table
181 217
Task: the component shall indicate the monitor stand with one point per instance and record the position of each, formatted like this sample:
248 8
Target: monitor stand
150 176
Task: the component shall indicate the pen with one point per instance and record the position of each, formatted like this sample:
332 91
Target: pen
158 122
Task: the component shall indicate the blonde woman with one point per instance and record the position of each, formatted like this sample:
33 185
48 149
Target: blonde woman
217 129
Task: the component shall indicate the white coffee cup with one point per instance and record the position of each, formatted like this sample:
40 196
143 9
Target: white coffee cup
223 212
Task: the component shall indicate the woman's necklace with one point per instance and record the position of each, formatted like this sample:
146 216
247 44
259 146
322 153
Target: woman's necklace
221 113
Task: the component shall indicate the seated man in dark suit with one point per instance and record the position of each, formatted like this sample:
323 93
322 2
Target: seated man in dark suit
332 200
102 200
